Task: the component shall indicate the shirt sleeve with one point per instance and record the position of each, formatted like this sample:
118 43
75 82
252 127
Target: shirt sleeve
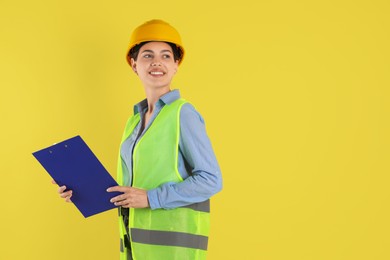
204 178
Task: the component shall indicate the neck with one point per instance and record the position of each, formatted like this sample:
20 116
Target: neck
153 95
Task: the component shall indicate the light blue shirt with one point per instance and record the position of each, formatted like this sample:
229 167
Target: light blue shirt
197 163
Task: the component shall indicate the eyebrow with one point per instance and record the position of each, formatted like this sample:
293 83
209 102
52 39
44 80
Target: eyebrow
160 51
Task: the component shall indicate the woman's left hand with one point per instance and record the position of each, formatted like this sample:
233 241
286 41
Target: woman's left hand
131 197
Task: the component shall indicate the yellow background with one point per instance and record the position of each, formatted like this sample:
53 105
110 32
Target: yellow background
295 95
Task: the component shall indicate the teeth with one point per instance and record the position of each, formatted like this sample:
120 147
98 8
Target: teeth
156 73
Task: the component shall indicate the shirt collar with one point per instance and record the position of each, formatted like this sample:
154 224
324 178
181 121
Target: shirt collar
165 99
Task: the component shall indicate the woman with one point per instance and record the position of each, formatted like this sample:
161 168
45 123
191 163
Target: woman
167 170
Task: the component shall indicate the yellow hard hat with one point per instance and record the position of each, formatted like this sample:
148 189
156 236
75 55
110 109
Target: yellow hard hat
155 30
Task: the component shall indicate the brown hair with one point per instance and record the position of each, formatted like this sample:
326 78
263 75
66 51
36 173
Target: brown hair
177 53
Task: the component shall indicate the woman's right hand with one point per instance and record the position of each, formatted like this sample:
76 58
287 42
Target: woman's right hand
64 194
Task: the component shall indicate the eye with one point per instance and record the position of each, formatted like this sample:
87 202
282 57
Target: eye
166 56
147 56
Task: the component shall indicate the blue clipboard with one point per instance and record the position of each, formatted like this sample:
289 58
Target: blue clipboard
73 164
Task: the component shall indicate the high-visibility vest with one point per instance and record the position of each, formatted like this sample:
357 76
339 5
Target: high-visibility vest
180 233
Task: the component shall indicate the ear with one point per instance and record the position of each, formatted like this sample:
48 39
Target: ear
176 66
134 65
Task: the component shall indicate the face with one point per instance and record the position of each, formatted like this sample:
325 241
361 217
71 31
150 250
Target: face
155 65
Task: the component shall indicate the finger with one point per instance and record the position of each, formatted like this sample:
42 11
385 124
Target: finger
67 199
123 203
61 189
53 181
66 194
118 198
118 188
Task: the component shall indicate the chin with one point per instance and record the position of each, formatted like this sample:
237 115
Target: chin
159 84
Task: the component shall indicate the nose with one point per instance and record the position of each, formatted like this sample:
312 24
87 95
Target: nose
155 64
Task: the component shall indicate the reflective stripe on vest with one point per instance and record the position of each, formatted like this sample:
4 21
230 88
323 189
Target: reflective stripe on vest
164 238
180 233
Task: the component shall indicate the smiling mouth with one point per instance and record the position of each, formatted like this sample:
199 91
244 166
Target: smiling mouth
156 73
